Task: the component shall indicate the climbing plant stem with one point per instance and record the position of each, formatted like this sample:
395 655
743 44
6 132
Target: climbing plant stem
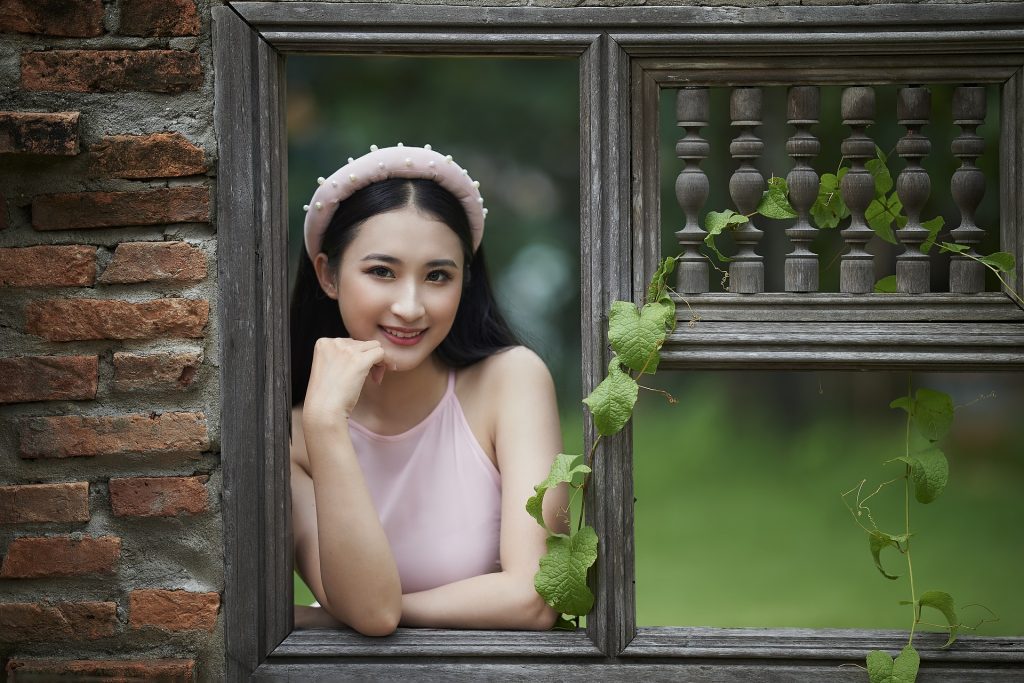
906 509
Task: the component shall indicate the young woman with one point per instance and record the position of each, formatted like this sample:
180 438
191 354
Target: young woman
419 424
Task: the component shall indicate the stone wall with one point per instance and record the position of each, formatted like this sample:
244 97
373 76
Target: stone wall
110 530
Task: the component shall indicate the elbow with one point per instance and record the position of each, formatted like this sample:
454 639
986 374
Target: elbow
540 615
378 624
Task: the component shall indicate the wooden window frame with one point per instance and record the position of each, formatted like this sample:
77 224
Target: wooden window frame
622 55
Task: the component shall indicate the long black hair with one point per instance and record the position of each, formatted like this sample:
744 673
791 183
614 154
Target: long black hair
479 330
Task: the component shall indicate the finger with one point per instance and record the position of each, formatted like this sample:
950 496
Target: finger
377 373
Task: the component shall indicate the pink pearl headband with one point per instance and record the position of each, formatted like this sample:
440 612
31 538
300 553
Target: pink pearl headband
391 162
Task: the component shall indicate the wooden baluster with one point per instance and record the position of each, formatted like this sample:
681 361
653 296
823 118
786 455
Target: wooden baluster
967 276
692 111
746 270
913 270
803 110
857 272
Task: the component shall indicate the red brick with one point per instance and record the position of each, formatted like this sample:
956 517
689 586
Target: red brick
53 556
80 319
156 371
159 18
165 71
48 266
160 155
115 209
107 670
48 378
33 621
155 262
54 134
173 610
35 503
158 496
71 18
61 436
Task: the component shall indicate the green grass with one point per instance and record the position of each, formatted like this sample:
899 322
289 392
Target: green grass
740 523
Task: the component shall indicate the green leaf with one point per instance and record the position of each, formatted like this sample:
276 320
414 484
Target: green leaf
828 209
956 248
637 335
933 227
880 215
944 603
563 624
929 470
563 469
611 402
904 402
887 285
880 174
883 669
717 221
933 413
562 577
879 540
775 201
657 288
1000 260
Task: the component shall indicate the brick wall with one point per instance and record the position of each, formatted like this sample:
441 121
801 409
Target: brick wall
110 531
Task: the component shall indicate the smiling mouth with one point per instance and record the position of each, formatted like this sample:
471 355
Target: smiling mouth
403 336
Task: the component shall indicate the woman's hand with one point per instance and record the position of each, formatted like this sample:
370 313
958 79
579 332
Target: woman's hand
340 368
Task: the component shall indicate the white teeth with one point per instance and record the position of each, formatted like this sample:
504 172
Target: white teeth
403 335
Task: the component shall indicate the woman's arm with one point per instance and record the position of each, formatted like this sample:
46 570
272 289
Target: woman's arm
527 438
343 548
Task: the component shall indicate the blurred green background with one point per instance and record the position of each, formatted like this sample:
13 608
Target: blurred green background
739 520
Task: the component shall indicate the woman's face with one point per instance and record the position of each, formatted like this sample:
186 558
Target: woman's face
399 282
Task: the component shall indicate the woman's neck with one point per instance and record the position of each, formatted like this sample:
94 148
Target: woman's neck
402 394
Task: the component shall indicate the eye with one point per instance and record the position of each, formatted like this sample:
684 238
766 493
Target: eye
439 276
380 271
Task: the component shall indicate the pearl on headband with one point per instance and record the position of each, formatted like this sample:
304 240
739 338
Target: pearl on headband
382 163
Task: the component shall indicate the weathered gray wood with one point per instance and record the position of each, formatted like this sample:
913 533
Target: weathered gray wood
423 642
746 269
678 46
645 178
846 19
772 70
913 109
965 310
967 187
857 270
692 188
803 110
1011 174
607 260
248 109
691 671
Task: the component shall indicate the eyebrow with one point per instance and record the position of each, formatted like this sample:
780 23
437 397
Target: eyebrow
397 261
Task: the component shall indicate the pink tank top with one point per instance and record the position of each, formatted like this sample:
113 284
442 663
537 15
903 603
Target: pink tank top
437 494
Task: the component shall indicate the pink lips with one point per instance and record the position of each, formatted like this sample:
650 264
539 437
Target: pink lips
403 341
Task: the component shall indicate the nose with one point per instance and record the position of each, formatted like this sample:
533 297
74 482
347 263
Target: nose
407 304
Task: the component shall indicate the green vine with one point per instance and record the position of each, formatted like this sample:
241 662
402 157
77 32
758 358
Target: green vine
926 471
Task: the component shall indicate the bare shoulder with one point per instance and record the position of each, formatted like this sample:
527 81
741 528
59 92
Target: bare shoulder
515 368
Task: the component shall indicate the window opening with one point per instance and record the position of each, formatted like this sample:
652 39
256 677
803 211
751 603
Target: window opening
523 150
775 134
739 520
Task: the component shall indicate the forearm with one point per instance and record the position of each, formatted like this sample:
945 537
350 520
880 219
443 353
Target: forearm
499 600
357 568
